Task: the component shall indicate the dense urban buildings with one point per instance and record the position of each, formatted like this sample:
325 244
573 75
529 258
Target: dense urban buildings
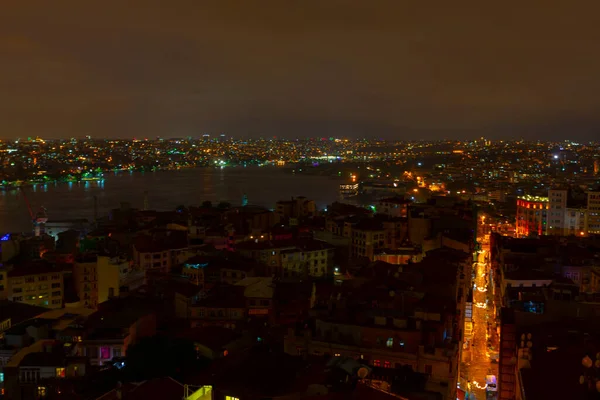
426 278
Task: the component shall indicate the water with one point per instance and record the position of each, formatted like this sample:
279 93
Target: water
166 190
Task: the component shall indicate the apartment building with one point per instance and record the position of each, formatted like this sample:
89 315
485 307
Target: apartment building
160 250
38 283
394 206
297 208
116 276
85 278
287 258
593 208
532 215
368 236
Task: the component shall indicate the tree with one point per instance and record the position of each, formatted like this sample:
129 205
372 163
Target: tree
224 205
158 356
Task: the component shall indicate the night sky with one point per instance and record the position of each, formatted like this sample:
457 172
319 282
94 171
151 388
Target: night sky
391 69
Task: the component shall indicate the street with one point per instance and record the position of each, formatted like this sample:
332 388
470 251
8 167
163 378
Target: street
478 362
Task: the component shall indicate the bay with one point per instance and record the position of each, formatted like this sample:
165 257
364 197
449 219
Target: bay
166 190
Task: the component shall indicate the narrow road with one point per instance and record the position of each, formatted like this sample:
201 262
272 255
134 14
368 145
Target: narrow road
480 364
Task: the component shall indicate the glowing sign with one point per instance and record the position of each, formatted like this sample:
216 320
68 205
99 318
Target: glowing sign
5 238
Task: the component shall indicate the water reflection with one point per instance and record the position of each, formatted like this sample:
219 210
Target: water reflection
166 190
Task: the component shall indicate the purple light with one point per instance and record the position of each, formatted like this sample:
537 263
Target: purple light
5 238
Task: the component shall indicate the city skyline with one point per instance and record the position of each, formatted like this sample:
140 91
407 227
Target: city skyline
388 70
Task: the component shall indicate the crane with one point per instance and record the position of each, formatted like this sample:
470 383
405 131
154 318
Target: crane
38 219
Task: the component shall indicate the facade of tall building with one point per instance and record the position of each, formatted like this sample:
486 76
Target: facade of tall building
597 167
39 285
531 215
593 209
557 206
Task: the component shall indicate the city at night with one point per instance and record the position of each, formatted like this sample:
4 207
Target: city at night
299 200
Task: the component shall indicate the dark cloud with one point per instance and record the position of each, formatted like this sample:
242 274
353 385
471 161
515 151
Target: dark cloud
287 68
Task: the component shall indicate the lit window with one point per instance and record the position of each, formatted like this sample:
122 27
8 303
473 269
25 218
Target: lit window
376 363
60 372
337 355
105 352
231 398
387 364
390 342
41 391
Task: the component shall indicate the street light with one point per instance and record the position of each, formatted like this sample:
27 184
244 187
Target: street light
591 373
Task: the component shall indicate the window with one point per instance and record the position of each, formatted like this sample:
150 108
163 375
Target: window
17 290
60 372
390 342
387 364
376 363
30 279
43 278
41 390
55 277
105 352
17 298
116 352
57 293
428 369
231 398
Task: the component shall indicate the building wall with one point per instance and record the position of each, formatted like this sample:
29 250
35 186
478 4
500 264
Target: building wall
86 283
159 260
531 216
44 290
108 272
575 222
593 217
316 263
216 316
366 242
393 209
557 206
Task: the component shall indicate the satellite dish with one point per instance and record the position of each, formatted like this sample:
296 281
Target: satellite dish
362 372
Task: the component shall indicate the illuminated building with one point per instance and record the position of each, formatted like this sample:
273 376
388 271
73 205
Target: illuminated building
593 207
38 284
566 216
557 206
367 238
531 215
